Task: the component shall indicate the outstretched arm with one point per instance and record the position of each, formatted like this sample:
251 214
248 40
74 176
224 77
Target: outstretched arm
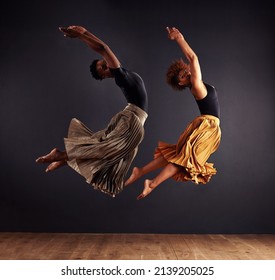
93 42
198 89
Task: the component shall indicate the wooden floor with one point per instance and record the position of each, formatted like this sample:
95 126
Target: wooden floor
87 246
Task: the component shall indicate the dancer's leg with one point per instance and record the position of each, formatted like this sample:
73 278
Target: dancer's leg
151 166
167 172
54 155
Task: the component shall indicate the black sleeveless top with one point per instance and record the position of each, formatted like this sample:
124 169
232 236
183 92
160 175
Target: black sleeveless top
132 87
209 105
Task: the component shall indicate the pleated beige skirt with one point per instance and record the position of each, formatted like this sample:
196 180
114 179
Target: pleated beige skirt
200 139
104 157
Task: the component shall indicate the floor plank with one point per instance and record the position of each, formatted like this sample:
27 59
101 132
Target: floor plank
89 246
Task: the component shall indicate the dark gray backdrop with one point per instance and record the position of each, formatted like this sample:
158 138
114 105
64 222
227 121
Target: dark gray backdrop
45 81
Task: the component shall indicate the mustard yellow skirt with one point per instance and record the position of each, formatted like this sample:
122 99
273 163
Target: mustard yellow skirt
200 139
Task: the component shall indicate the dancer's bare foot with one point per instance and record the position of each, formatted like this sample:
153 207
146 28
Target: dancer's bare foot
147 189
56 164
54 155
136 174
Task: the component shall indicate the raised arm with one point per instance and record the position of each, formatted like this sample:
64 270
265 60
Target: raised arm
93 42
198 89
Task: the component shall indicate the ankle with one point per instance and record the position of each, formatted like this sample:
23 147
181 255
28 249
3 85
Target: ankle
63 156
150 183
141 171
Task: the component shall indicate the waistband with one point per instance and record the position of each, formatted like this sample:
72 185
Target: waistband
142 115
211 117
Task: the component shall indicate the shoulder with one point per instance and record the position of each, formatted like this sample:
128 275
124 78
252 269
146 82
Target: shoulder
199 90
115 70
211 90
120 71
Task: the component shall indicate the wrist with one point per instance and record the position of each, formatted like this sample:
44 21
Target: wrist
179 38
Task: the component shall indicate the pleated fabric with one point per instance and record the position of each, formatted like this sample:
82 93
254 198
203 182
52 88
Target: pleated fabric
200 139
104 157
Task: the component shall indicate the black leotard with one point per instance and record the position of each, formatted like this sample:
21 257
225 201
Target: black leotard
209 105
132 87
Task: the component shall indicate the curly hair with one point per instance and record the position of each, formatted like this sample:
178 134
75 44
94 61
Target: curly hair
173 72
94 71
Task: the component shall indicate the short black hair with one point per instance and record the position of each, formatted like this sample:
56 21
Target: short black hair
94 71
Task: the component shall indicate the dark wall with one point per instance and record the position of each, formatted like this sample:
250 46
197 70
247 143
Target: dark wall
45 81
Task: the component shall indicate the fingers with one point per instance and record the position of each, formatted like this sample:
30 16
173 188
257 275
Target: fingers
172 32
70 31
170 29
67 29
64 30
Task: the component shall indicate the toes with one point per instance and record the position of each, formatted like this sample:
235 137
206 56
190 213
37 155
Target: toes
51 167
40 159
129 180
52 156
54 165
140 197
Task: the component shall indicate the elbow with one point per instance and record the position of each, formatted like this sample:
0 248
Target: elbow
193 58
103 48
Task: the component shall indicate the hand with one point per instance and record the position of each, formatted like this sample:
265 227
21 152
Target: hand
174 33
72 31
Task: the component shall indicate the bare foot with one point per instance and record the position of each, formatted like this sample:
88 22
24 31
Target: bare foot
54 155
56 164
147 189
136 174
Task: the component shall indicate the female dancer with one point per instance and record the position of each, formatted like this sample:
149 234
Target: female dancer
186 160
103 158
